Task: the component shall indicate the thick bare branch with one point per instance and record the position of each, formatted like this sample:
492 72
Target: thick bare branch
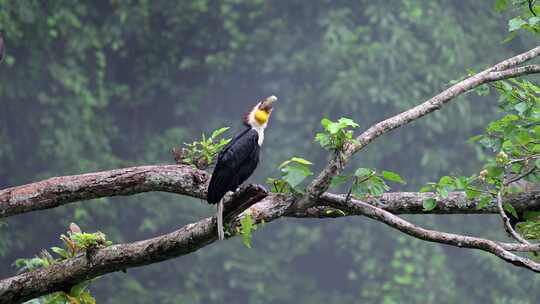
58 191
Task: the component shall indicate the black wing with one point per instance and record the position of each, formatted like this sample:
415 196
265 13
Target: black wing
235 163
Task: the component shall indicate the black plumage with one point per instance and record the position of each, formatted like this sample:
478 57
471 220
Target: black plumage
235 163
237 160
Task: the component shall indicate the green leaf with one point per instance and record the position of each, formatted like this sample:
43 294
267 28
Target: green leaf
333 128
443 192
60 251
359 190
87 298
429 204
325 122
393 177
360 172
285 163
246 224
376 186
218 132
500 5
476 138
534 21
521 107
510 209
515 24
471 194
323 139
531 215
347 122
495 171
461 182
338 180
483 202
523 137
376 189
295 176
426 188
301 161
79 288
446 180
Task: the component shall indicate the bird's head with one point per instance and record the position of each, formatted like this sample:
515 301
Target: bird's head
259 116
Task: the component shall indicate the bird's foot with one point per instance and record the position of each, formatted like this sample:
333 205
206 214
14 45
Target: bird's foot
262 187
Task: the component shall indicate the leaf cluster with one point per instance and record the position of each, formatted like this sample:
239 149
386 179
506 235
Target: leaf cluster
75 242
445 185
246 227
368 182
530 228
78 294
202 154
293 173
528 19
514 140
336 134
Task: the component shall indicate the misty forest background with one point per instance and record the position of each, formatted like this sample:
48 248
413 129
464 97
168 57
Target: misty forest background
91 86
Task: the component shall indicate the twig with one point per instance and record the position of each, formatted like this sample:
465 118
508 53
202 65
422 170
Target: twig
521 176
503 70
502 250
531 2
506 220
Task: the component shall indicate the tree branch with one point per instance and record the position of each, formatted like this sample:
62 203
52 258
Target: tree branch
192 182
58 191
502 250
499 71
184 180
63 275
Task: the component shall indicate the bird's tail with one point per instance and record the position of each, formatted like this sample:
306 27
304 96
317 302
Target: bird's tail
219 215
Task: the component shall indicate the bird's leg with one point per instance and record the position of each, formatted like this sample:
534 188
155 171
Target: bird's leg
219 215
256 185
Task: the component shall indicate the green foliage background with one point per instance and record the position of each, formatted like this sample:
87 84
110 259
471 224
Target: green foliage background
98 85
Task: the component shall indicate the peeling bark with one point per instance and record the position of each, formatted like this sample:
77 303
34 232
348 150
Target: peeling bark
57 191
192 182
65 274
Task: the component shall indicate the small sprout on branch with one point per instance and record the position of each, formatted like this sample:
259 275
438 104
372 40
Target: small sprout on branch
75 242
201 154
246 227
336 134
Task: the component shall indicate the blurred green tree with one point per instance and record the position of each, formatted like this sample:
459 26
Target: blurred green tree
97 85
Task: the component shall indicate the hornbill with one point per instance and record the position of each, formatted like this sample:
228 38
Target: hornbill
238 159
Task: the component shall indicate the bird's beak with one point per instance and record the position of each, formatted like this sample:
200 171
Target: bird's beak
266 105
